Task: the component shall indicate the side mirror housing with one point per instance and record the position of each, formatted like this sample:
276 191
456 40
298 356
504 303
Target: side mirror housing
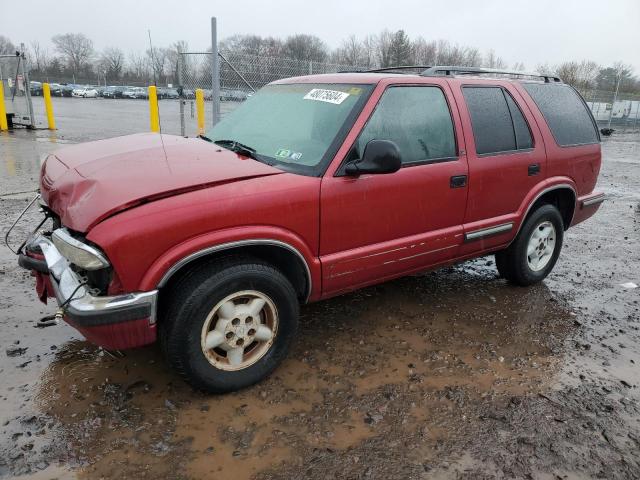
380 156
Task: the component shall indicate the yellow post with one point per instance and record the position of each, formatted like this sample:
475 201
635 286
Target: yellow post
200 110
4 125
153 109
48 106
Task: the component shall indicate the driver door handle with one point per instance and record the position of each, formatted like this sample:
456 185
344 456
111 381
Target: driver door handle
458 181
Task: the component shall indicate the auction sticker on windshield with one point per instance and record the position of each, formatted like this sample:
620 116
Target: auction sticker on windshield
329 96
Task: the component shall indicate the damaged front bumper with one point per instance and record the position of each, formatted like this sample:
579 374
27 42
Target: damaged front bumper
114 322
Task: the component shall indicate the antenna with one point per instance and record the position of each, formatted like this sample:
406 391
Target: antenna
155 83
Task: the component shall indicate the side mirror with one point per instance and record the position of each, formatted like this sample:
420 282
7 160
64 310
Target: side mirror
380 156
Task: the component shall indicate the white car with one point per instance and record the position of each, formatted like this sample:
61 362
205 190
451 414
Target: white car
85 92
90 93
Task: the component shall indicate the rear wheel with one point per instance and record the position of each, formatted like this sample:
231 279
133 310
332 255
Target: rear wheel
534 252
229 323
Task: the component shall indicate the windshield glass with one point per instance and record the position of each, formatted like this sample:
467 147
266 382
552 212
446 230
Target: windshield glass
297 127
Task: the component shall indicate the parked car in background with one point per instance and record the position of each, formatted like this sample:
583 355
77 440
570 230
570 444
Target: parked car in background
233 95
91 92
85 92
316 186
171 94
129 92
225 94
113 92
35 88
58 90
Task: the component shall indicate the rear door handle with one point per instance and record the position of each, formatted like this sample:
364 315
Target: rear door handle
458 181
534 169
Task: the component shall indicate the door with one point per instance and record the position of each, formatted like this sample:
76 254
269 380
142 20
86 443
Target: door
506 161
376 227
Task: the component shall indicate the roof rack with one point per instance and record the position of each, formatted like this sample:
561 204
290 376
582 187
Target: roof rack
399 68
451 70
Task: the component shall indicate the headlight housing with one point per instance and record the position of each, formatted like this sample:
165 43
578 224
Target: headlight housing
80 254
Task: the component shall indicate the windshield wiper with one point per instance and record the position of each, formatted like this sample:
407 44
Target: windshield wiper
204 137
241 148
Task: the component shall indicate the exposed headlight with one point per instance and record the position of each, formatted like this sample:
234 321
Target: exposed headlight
80 254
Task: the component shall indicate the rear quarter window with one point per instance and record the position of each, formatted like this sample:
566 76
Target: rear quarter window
565 113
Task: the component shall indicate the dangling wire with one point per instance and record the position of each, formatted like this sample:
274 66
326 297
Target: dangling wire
155 83
51 320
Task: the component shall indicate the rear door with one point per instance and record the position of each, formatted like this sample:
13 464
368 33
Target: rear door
506 157
375 227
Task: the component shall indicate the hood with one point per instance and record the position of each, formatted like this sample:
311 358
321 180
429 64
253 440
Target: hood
89 182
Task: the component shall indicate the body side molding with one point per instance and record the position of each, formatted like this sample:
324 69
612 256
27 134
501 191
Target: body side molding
486 232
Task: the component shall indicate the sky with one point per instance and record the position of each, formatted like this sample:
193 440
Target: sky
533 31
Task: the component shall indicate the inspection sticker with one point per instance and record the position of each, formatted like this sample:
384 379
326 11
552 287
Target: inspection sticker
286 153
329 96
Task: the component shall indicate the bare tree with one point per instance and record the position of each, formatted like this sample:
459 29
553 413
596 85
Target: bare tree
139 66
158 60
425 53
383 48
350 51
39 57
491 60
112 62
305 47
6 47
173 52
368 52
252 45
76 48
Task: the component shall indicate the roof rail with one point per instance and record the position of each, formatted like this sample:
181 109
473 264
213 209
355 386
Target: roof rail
450 70
387 69
399 67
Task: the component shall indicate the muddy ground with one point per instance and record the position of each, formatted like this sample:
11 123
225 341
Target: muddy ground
451 374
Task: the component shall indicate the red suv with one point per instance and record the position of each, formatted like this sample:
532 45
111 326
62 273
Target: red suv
314 187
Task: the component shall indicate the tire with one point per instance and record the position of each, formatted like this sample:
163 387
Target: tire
516 265
218 294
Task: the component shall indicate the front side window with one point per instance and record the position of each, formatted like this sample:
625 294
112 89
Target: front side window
497 122
293 126
417 119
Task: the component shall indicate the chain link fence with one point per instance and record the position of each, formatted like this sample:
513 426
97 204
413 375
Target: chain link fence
15 82
240 76
620 111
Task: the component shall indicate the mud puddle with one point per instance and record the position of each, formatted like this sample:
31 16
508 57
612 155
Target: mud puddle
451 374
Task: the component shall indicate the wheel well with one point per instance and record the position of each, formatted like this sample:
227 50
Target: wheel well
291 265
563 198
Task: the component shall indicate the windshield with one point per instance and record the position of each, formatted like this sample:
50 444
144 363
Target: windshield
297 127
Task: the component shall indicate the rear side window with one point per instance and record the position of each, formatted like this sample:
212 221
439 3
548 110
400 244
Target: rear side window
417 119
565 113
498 124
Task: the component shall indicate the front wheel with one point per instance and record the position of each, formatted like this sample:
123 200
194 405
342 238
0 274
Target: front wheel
534 252
229 323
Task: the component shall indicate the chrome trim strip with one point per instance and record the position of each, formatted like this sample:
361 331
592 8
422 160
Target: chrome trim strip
63 235
486 232
68 284
241 243
592 201
547 190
